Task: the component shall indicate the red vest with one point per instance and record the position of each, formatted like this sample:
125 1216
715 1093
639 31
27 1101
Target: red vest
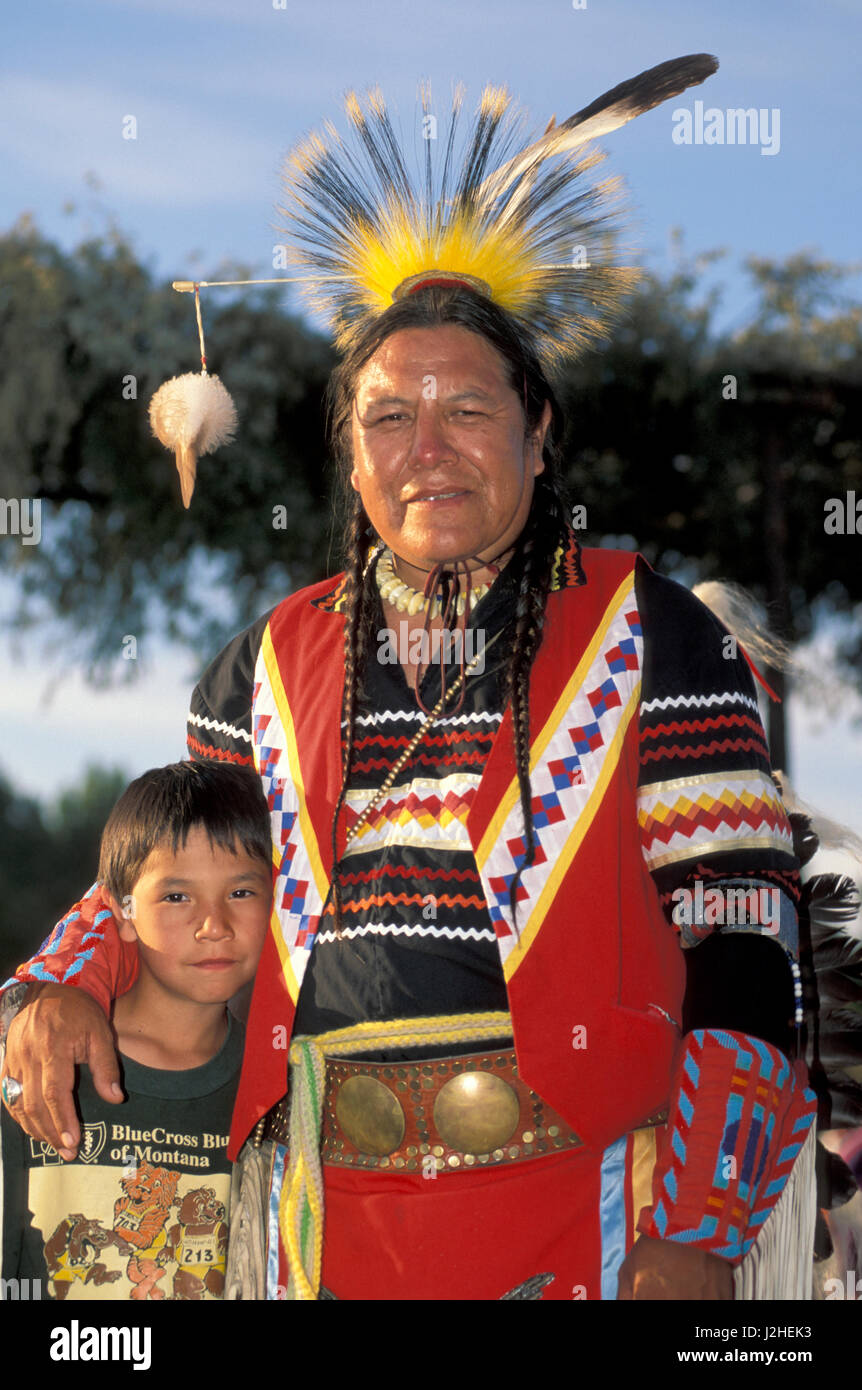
594 972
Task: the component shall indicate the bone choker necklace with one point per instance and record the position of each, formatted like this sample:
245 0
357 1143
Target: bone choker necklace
408 600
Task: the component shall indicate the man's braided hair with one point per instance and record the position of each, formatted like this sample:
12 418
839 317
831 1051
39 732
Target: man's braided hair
535 548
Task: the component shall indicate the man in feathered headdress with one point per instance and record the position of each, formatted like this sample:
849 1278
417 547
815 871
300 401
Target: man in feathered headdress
503 773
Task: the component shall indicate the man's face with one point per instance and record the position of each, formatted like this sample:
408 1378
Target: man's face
200 918
440 455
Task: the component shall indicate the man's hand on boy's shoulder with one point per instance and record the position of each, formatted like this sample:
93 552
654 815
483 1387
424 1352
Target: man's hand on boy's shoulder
58 1027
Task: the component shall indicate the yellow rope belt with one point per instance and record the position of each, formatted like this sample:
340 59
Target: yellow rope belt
300 1214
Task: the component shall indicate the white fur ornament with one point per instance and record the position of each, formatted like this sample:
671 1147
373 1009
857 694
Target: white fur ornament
192 414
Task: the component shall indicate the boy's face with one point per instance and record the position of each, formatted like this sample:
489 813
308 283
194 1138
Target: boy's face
199 918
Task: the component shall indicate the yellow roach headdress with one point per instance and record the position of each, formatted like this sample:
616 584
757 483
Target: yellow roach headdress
516 218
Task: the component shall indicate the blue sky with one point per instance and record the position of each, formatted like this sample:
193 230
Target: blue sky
221 89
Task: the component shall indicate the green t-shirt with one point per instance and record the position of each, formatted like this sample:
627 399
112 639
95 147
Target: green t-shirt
143 1211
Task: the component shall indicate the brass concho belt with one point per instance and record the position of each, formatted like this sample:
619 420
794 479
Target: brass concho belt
454 1112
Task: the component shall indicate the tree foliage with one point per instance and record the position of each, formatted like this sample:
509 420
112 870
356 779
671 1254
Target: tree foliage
43 855
713 452
86 338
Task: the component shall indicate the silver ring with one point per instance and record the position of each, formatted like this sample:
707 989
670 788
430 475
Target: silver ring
12 1090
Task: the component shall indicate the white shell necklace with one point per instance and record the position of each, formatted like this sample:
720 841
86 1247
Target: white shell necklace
412 601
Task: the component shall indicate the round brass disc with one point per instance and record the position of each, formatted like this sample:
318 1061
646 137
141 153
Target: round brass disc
370 1115
476 1112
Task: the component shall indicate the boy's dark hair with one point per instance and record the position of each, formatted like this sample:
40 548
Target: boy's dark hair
162 806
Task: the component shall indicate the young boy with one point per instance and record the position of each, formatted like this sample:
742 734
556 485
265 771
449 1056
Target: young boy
143 1211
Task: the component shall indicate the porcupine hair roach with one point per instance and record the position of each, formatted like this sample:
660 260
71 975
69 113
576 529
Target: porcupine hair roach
433 307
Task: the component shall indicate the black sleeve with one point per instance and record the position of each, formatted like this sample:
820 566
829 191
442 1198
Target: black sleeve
743 983
219 720
14 1194
700 731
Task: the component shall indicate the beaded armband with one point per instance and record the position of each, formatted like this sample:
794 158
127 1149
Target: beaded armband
739 1117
